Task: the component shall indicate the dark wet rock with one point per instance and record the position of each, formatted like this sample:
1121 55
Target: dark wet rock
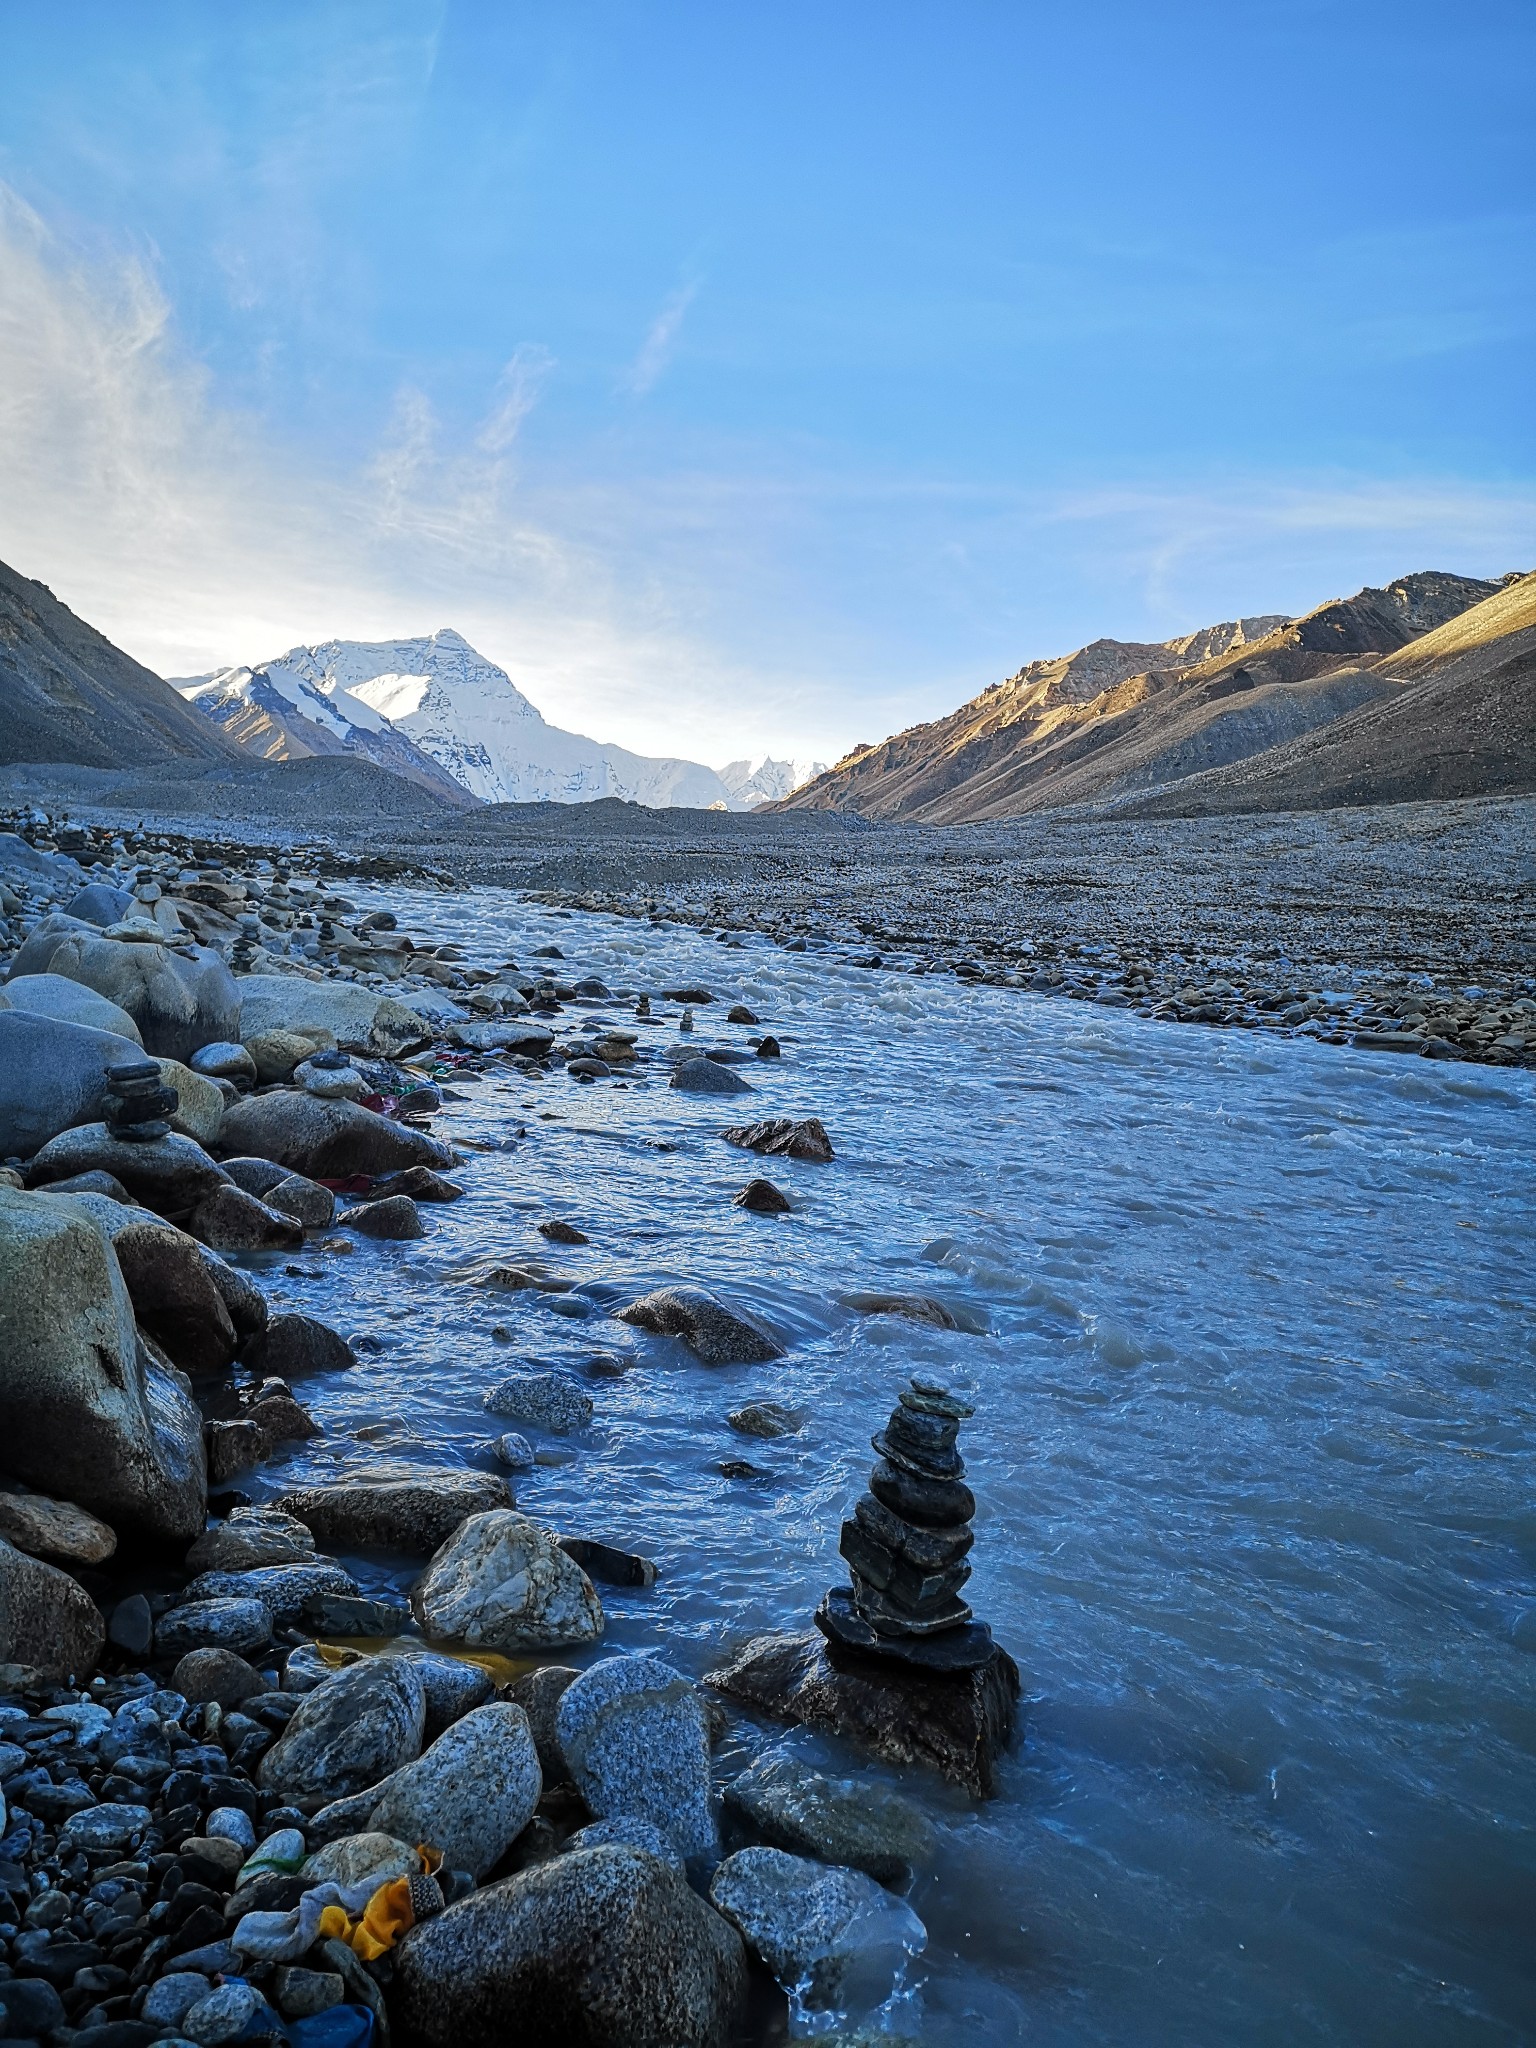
934 1502
502 1582
393 1217
47 1620
364 1722
180 1000
240 1625
609 1566
635 1737
783 1137
292 1345
832 1936
92 1183
217 1675
560 1232
598 1948
283 1589
958 1724
718 1334
174 1295
738 1013
419 1182
742 1468
851 1821
326 1140
708 1077
762 1198
687 995
769 1048
587 1068
914 1308
539 1694
131 1626
88 1413
415 1511
170 1175
543 1400
351 1614
765 1419
256 1176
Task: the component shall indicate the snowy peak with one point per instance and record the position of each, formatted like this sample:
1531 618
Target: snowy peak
439 704
766 781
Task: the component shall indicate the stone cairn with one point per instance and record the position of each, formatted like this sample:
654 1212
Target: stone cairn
138 1102
242 956
907 1542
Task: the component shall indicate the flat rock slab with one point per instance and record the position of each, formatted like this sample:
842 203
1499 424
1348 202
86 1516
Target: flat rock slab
958 1725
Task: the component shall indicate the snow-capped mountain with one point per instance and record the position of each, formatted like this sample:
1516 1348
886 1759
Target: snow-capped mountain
764 782
446 715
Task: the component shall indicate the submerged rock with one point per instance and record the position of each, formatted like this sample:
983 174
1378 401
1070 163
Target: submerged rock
836 1820
783 1137
833 1938
708 1077
720 1335
598 1948
543 1400
394 1216
291 1345
502 1582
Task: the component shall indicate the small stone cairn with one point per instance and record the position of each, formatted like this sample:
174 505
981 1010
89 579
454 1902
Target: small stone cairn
907 1543
138 1102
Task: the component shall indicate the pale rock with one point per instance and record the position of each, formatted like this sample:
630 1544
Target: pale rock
635 1736
502 1582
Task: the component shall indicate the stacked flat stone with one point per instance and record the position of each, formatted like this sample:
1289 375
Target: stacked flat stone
907 1543
138 1102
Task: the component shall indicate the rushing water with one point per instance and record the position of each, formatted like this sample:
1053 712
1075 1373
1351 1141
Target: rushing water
1252 1454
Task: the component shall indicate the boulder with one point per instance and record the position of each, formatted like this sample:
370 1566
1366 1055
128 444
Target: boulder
224 1060
304 1200
230 1220
502 1582
958 1723
471 1794
635 1736
716 1333
174 1294
598 1948
53 1076
357 1727
416 1510
221 1623
708 1077
199 1104
836 1942
326 1140
217 1676
357 1018
170 1175
180 1000
395 1216
851 1821
88 1412
276 1054
455 1686
99 903
539 1694
53 1528
47 1620
45 939
283 1589
290 1345
783 1137
545 1400
68 1002
249 1538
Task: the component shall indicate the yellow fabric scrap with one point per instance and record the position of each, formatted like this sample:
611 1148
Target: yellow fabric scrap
387 1915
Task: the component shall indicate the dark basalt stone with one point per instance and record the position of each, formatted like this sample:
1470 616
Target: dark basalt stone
931 1397
933 1503
894 1575
923 1436
958 1646
894 1618
925 1464
958 1721
930 1550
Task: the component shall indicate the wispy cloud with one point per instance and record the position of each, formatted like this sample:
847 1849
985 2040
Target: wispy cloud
660 343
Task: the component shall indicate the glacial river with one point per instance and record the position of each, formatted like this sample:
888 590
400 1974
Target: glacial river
1256 1414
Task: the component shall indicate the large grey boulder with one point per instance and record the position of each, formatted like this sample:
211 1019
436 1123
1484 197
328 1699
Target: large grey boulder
350 1732
45 939
47 1619
67 1002
852 1821
176 1298
502 1582
835 1940
598 1948
359 1019
171 1175
249 1538
471 1794
415 1511
180 1000
325 1140
635 1736
99 903
88 1412
712 1330
53 1075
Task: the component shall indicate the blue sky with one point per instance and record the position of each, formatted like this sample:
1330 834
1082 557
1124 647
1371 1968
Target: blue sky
750 377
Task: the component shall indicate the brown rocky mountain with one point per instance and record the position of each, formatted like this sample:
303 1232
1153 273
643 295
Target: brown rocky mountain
1120 716
1454 716
68 695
